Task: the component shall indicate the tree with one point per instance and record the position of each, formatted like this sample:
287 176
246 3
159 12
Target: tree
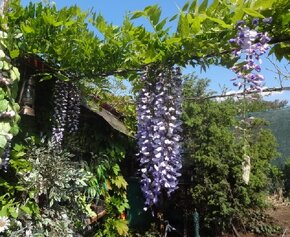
214 149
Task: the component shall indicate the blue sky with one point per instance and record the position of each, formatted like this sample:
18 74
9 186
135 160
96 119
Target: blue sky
115 10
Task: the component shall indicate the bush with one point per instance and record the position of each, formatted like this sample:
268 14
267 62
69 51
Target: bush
216 143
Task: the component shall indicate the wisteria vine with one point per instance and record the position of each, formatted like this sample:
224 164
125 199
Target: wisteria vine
67 101
158 133
251 44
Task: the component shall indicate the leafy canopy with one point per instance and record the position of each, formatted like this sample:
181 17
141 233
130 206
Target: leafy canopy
201 37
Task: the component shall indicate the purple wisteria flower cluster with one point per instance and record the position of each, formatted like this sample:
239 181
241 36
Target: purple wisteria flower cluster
158 133
66 98
251 45
6 156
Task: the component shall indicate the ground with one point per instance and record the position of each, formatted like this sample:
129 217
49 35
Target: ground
280 215
280 212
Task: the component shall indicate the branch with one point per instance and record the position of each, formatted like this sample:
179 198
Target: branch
275 89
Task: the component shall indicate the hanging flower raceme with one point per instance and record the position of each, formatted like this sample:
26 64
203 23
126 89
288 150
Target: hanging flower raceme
6 156
251 44
158 135
66 98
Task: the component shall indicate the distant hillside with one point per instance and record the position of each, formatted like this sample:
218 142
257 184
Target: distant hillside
280 125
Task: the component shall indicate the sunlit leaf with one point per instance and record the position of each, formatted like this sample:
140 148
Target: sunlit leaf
220 22
14 53
252 12
161 24
26 28
193 7
173 18
137 14
3 141
173 40
262 4
203 6
185 6
121 226
183 26
154 13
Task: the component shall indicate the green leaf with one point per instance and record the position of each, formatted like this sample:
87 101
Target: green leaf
195 23
160 25
3 141
4 127
120 182
252 12
26 209
193 7
4 211
50 19
16 73
13 212
6 66
154 13
219 21
116 169
45 77
203 6
18 147
14 53
183 26
26 28
173 18
2 54
19 154
173 40
239 13
285 19
185 7
4 105
13 76
262 4
101 23
121 226
61 77
213 6
137 14
14 130
69 23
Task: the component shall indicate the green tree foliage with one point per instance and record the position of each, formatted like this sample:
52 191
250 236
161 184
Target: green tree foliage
214 147
280 29
286 174
201 36
255 103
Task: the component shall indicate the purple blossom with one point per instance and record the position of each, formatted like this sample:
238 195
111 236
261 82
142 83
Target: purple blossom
267 20
66 100
251 44
6 156
255 21
158 111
